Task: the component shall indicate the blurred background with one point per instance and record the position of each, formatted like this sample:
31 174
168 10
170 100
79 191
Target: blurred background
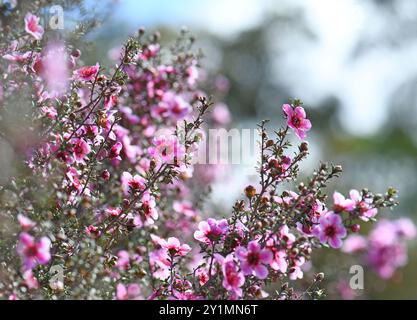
353 63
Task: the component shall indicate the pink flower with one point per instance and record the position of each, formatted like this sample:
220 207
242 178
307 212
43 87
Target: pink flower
354 243
160 263
114 212
174 247
25 222
93 231
32 252
32 26
184 207
135 182
167 149
115 151
405 228
192 75
150 51
123 260
233 279
49 112
365 208
253 259
30 280
211 230
54 68
12 297
342 204
72 176
86 73
203 276
81 149
331 230
295 271
148 208
386 249
221 114
286 236
279 261
296 119
175 106
129 292
110 102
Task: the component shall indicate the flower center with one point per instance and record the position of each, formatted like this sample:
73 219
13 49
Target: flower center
32 26
146 208
296 121
78 149
134 184
31 251
253 258
330 231
87 72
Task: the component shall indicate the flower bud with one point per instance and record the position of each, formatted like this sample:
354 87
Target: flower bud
355 228
319 276
126 203
304 146
269 143
76 53
105 175
250 191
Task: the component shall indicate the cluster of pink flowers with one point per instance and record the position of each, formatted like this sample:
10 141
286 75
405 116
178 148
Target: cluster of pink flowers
385 247
120 194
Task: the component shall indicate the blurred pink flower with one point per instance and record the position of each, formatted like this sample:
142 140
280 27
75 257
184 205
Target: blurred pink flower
30 281
114 212
386 249
184 207
33 27
123 260
192 75
176 107
221 114
354 243
33 252
25 222
53 68
129 292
